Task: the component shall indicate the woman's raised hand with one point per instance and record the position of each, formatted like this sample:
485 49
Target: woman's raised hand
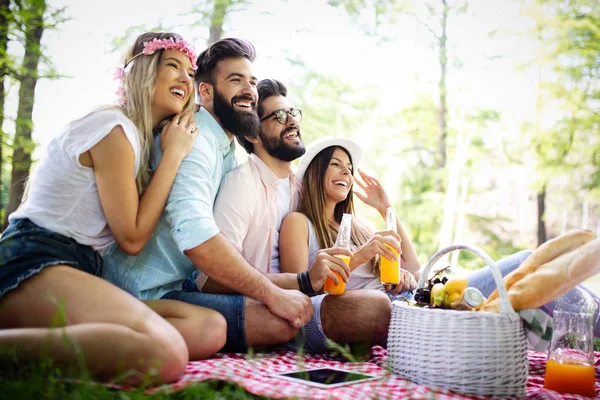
179 134
373 194
376 246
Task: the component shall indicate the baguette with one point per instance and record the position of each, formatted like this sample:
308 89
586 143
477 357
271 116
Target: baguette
552 270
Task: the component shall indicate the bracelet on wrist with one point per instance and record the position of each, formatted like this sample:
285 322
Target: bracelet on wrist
304 283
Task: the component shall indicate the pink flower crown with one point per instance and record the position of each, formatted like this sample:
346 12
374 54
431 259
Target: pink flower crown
152 47
170 44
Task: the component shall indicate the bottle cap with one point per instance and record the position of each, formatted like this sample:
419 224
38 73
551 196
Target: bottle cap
473 297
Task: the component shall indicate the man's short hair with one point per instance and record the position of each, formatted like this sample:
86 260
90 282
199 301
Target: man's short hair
224 48
266 88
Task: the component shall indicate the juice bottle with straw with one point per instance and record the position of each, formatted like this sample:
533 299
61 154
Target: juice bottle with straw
343 240
389 270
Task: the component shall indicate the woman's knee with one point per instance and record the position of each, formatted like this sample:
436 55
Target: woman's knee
215 331
166 349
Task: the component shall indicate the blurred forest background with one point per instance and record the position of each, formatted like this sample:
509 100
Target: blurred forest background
481 117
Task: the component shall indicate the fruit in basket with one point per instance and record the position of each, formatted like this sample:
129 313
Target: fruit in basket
438 293
456 285
449 293
452 300
423 296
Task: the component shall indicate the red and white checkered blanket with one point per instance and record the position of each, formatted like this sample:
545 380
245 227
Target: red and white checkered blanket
252 372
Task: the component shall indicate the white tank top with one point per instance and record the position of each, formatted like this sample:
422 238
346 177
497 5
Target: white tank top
63 196
361 278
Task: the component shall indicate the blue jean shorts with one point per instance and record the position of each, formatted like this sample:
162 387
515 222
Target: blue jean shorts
231 306
26 249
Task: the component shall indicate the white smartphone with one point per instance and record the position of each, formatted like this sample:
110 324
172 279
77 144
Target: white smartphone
325 378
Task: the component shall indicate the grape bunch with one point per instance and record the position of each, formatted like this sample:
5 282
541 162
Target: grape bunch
449 293
423 295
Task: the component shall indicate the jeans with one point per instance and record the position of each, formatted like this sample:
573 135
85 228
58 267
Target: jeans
26 249
231 306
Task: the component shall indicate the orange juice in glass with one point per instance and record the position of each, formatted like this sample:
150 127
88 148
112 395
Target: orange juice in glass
389 270
570 376
330 287
570 366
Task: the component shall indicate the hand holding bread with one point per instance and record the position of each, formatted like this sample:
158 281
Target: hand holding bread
556 267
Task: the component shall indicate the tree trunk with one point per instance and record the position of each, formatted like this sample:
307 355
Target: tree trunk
452 192
217 19
443 107
460 218
23 145
4 22
541 223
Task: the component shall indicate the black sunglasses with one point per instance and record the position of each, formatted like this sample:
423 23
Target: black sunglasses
282 115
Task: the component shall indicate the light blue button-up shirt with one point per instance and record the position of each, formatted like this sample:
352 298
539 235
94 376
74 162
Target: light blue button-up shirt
186 222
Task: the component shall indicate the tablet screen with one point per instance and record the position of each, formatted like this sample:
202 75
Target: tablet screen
327 376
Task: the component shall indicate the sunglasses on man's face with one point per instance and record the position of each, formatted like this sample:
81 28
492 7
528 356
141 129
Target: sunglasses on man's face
282 115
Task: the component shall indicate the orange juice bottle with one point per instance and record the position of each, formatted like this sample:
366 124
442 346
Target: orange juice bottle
570 376
330 287
343 240
389 270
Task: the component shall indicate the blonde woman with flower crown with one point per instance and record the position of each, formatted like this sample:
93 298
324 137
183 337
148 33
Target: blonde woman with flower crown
94 187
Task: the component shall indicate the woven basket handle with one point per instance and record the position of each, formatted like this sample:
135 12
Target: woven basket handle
505 306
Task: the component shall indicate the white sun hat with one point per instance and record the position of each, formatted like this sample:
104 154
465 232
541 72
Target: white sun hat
320 144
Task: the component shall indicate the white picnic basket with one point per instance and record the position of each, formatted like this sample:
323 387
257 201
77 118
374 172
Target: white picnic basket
470 352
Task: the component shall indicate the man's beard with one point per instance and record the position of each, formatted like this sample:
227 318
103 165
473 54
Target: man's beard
278 148
239 123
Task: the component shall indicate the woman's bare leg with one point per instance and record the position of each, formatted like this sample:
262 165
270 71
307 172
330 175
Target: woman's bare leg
204 330
116 333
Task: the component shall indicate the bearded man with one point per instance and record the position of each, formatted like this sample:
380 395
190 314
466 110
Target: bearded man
187 239
252 202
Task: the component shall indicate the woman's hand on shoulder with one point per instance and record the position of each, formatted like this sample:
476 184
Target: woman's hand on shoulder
376 245
178 135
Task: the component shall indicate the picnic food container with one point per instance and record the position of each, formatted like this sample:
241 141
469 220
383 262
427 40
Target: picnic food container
470 352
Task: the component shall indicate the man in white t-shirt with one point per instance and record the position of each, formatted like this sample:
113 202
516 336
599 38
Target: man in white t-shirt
265 191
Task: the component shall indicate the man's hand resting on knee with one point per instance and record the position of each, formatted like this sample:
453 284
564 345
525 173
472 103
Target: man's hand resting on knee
292 306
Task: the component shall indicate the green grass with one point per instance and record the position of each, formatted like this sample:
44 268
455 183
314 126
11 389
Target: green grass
40 381
39 385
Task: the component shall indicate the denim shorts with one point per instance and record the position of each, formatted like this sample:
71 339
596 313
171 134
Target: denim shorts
231 306
26 249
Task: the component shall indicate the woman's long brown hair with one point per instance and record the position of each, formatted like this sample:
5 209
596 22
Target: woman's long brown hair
313 201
